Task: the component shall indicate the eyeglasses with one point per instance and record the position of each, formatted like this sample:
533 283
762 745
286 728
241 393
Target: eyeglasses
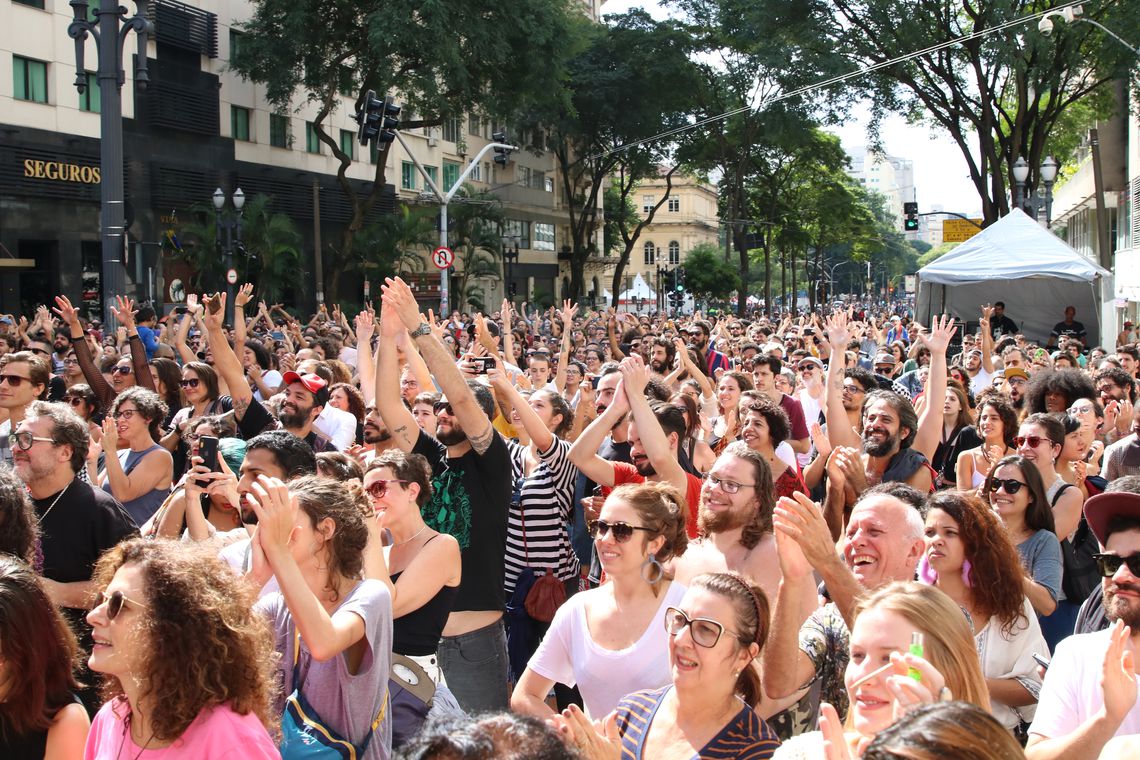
192 382
1033 441
706 633
114 602
122 370
852 389
377 489
15 381
622 532
1108 564
442 406
76 401
39 351
25 439
1010 485
728 486
125 414
1081 409
71 360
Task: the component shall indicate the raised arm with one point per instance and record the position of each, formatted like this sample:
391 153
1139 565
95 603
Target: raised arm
535 428
91 373
707 389
635 376
839 428
929 431
584 452
180 344
987 340
226 362
124 312
389 403
569 309
365 369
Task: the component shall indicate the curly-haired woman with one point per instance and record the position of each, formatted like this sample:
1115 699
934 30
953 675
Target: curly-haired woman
969 556
187 664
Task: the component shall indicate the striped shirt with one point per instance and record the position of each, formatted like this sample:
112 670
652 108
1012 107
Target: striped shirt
745 737
544 498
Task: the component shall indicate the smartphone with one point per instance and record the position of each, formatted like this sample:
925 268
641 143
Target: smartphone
482 364
594 381
180 309
1041 661
208 450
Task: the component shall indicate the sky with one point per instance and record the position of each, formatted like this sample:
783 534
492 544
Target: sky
941 176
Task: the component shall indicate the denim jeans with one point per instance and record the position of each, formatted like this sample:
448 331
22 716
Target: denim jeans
475 666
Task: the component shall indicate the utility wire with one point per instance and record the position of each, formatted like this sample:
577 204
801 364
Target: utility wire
841 78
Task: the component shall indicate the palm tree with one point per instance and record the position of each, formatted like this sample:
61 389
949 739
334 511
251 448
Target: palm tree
476 219
396 242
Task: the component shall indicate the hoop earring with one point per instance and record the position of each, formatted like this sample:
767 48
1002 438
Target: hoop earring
655 568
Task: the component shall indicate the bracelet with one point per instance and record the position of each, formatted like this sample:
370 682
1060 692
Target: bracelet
73 340
134 337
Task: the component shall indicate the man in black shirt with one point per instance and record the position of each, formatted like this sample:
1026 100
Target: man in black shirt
1070 328
1000 324
471 494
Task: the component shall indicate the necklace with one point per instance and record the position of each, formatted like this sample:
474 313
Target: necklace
413 538
123 743
54 501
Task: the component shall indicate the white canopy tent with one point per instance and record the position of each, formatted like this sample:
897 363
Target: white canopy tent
1019 262
639 295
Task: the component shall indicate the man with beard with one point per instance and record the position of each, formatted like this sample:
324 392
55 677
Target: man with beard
662 354
471 495
1117 392
1015 381
884 542
334 424
1089 693
305 395
377 437
979 361
655 432
708 358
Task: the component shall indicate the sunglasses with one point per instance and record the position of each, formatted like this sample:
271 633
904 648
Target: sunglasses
14 381
25 439
76 401
1009 485
1032 440
378 489
622 532
193 382
122 370
442 406
706 633
115 601
1108 564
39 351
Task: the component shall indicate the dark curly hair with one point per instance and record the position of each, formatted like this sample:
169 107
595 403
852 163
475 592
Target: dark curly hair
198 608
779 427
354 396
1004 408
1070 383
19 528
149 405
991 554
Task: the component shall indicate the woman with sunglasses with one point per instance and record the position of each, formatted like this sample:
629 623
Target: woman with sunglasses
41 717
996 427
72 372
878 687
83 402
200 387
422 565
1040 439
127 371
139 475
210 700
715 632
971 558
1016 495
610 641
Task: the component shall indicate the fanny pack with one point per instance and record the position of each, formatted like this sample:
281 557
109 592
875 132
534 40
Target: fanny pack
304 734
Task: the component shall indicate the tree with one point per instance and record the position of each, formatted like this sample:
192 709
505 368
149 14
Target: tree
708 275
445 59
475 234
1000 96
624 184
396 242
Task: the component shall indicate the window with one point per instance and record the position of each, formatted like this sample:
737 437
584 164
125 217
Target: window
90 98
518 229
674 252
408 175
522 176
279 130
476 174
33 3
674 205
29 79
647 202
312 142
433 172
235 44
543 237
548 184
538 179
474 125
452 130
650 254
348 144
450 175
239 123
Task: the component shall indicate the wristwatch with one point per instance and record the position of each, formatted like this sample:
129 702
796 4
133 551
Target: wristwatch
423 329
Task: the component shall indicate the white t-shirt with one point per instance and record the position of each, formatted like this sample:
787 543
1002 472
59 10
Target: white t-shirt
569 655
980 381
337 425
1071 693
272 379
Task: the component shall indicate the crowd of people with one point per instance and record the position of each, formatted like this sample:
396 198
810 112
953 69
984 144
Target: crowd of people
565 533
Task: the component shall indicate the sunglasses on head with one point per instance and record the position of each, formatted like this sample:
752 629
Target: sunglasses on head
115 601
377 489
621 531
1108 564
190 382
1009 485
705 632
1032 440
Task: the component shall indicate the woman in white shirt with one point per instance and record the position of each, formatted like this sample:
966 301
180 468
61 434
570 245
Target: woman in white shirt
610 641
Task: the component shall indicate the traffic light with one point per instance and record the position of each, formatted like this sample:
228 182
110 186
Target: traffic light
378 119
910 224
502 155
679 279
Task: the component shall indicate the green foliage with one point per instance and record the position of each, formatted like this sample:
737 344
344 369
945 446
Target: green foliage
397 242
475 234
620 213
920 246
936 253
708 275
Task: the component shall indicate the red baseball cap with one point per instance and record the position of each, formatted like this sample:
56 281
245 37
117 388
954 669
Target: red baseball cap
315 384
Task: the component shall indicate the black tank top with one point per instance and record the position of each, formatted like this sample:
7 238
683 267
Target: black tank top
417 633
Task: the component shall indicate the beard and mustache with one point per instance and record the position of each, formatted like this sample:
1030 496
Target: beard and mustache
882 448
1122 609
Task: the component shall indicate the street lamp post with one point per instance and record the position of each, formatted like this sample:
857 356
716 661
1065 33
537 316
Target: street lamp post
510 258
1035 202
232 227
109 38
